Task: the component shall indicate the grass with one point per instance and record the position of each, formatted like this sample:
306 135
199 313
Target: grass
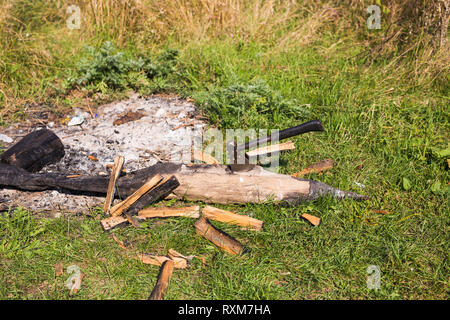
384 109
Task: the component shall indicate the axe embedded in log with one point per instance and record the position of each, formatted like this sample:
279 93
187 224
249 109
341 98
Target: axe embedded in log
314 125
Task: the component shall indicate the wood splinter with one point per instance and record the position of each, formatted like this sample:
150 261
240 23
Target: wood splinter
204 157
225 216
149 213
315 168
163 281
315 221
224 241
271 149
115 173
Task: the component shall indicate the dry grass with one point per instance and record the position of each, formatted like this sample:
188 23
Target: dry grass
34 35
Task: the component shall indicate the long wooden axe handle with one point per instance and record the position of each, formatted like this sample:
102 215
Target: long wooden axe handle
314 125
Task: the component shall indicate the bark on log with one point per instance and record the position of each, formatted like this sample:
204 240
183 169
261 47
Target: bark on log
208 183
34 151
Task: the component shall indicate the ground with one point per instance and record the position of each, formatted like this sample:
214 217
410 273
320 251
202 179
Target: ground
382 97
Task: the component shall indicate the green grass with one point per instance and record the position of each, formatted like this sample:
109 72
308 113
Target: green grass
384 125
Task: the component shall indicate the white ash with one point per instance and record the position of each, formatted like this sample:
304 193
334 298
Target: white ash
143 143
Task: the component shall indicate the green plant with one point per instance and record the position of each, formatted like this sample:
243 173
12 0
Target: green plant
240 102
107 68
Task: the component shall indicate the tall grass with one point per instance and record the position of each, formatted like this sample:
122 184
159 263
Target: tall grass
34 36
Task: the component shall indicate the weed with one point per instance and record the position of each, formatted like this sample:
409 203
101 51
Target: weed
244 104
107 68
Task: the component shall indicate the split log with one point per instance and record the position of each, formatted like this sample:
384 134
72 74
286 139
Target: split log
115 173
159 192
163 281
34 151
149 213
225 216
221 239
119 208
198 182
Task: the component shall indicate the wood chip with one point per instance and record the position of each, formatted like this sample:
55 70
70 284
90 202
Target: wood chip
381 211
93 158
315 168
222 240
119 242
315 221
149 213
59 269
179 263
74 176
128 117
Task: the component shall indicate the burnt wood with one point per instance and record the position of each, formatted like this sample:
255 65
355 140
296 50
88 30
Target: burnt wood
156 194
34 151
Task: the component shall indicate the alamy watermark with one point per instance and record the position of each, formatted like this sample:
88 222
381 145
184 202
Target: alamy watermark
374 20
74 20
374 279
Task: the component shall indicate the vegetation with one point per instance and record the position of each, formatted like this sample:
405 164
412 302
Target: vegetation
382 95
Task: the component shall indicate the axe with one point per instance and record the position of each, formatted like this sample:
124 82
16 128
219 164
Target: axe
314 125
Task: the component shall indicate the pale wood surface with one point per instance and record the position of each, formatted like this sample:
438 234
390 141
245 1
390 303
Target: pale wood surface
225 216
115 173
272 148
119 208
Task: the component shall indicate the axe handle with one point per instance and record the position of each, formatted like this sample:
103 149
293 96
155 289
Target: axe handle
314 125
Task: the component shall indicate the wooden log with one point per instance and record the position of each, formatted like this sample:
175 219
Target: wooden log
225 216
208 183
34 151
115 173
149 213
270 149
119 208
163 281
159 192
315 168
224 241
